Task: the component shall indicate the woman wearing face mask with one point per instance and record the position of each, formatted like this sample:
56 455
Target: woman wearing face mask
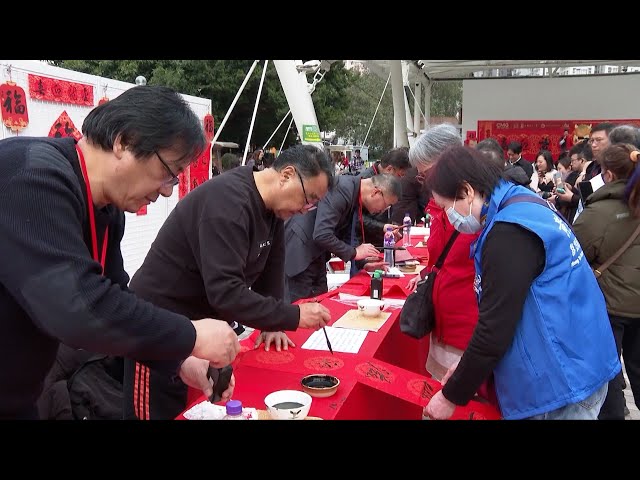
456 311
610 217
551 356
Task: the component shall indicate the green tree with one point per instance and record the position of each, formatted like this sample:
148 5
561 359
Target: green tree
219 80
363 97
354 121
446 98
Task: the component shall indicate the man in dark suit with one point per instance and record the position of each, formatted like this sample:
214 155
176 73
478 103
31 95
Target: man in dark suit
395 162
310 238
514 152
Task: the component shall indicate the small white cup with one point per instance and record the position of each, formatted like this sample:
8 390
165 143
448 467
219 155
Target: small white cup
370 307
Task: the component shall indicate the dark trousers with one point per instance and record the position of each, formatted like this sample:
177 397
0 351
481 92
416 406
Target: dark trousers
627 335
310 283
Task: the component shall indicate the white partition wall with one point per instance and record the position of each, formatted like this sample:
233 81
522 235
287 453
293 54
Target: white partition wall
606 97
140 230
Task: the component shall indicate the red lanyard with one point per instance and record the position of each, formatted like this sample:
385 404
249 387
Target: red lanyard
360 212
92 219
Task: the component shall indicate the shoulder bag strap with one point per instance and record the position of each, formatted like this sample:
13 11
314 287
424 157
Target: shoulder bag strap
533 199
598 271
443 255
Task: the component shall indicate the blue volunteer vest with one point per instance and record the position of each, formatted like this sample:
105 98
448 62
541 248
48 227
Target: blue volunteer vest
563 349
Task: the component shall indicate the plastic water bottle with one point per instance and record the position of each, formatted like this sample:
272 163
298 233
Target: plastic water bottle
389 241
406 230
234 410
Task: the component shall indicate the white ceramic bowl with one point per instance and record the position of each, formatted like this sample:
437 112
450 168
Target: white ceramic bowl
370 307
288 404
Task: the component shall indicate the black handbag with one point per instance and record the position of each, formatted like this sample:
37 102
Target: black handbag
417 317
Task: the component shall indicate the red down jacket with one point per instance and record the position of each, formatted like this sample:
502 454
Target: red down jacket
454 298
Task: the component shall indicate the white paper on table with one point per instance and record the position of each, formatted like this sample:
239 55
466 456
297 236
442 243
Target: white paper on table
389 303
345 340
419 231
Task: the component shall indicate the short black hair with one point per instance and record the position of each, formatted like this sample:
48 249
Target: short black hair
308 160
459 164
148 118
397 158
515 147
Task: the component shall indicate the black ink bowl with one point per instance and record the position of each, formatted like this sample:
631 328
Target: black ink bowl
320 385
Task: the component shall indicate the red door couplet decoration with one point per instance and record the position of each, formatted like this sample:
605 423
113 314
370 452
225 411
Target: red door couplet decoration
54 90
208 127
64 127
14 106
196 174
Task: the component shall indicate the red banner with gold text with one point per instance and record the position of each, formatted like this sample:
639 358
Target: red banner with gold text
536 135
54 90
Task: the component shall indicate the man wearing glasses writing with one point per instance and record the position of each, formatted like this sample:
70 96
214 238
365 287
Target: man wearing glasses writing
221 251
335 227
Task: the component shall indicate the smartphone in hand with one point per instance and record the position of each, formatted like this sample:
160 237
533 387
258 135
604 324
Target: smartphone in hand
557 180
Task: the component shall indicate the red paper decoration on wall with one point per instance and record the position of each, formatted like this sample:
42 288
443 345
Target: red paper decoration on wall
54 90
196 174
208 126
13 103
64 127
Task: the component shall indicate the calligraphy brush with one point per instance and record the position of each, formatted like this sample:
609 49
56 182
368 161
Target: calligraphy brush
325 332
328 342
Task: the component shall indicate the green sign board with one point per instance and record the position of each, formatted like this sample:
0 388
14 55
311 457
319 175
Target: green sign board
311 133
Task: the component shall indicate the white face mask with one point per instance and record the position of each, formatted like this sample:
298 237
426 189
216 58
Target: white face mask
468 224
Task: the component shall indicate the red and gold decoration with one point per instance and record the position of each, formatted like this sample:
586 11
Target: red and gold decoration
472 139
208 127
536 135
14 106
64 127
196 174
54 90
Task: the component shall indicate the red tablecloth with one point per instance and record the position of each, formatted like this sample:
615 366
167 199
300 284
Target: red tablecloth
386 379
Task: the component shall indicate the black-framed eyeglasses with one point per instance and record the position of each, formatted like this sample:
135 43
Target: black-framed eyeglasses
385 201
307 204
174 180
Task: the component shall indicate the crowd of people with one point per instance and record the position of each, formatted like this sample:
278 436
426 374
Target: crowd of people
535 303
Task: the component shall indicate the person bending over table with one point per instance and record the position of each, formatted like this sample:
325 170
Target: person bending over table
220 253
551 355
62 279
332 229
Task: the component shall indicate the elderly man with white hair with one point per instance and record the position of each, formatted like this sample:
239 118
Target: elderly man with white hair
456 309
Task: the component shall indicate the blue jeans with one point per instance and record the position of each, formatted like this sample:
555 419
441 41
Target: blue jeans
586 409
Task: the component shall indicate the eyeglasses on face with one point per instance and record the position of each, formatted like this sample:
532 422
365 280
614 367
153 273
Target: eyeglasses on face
174 180
596 140
307 204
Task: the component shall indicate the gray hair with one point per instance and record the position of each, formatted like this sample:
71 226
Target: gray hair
388 183
625 134
433 142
